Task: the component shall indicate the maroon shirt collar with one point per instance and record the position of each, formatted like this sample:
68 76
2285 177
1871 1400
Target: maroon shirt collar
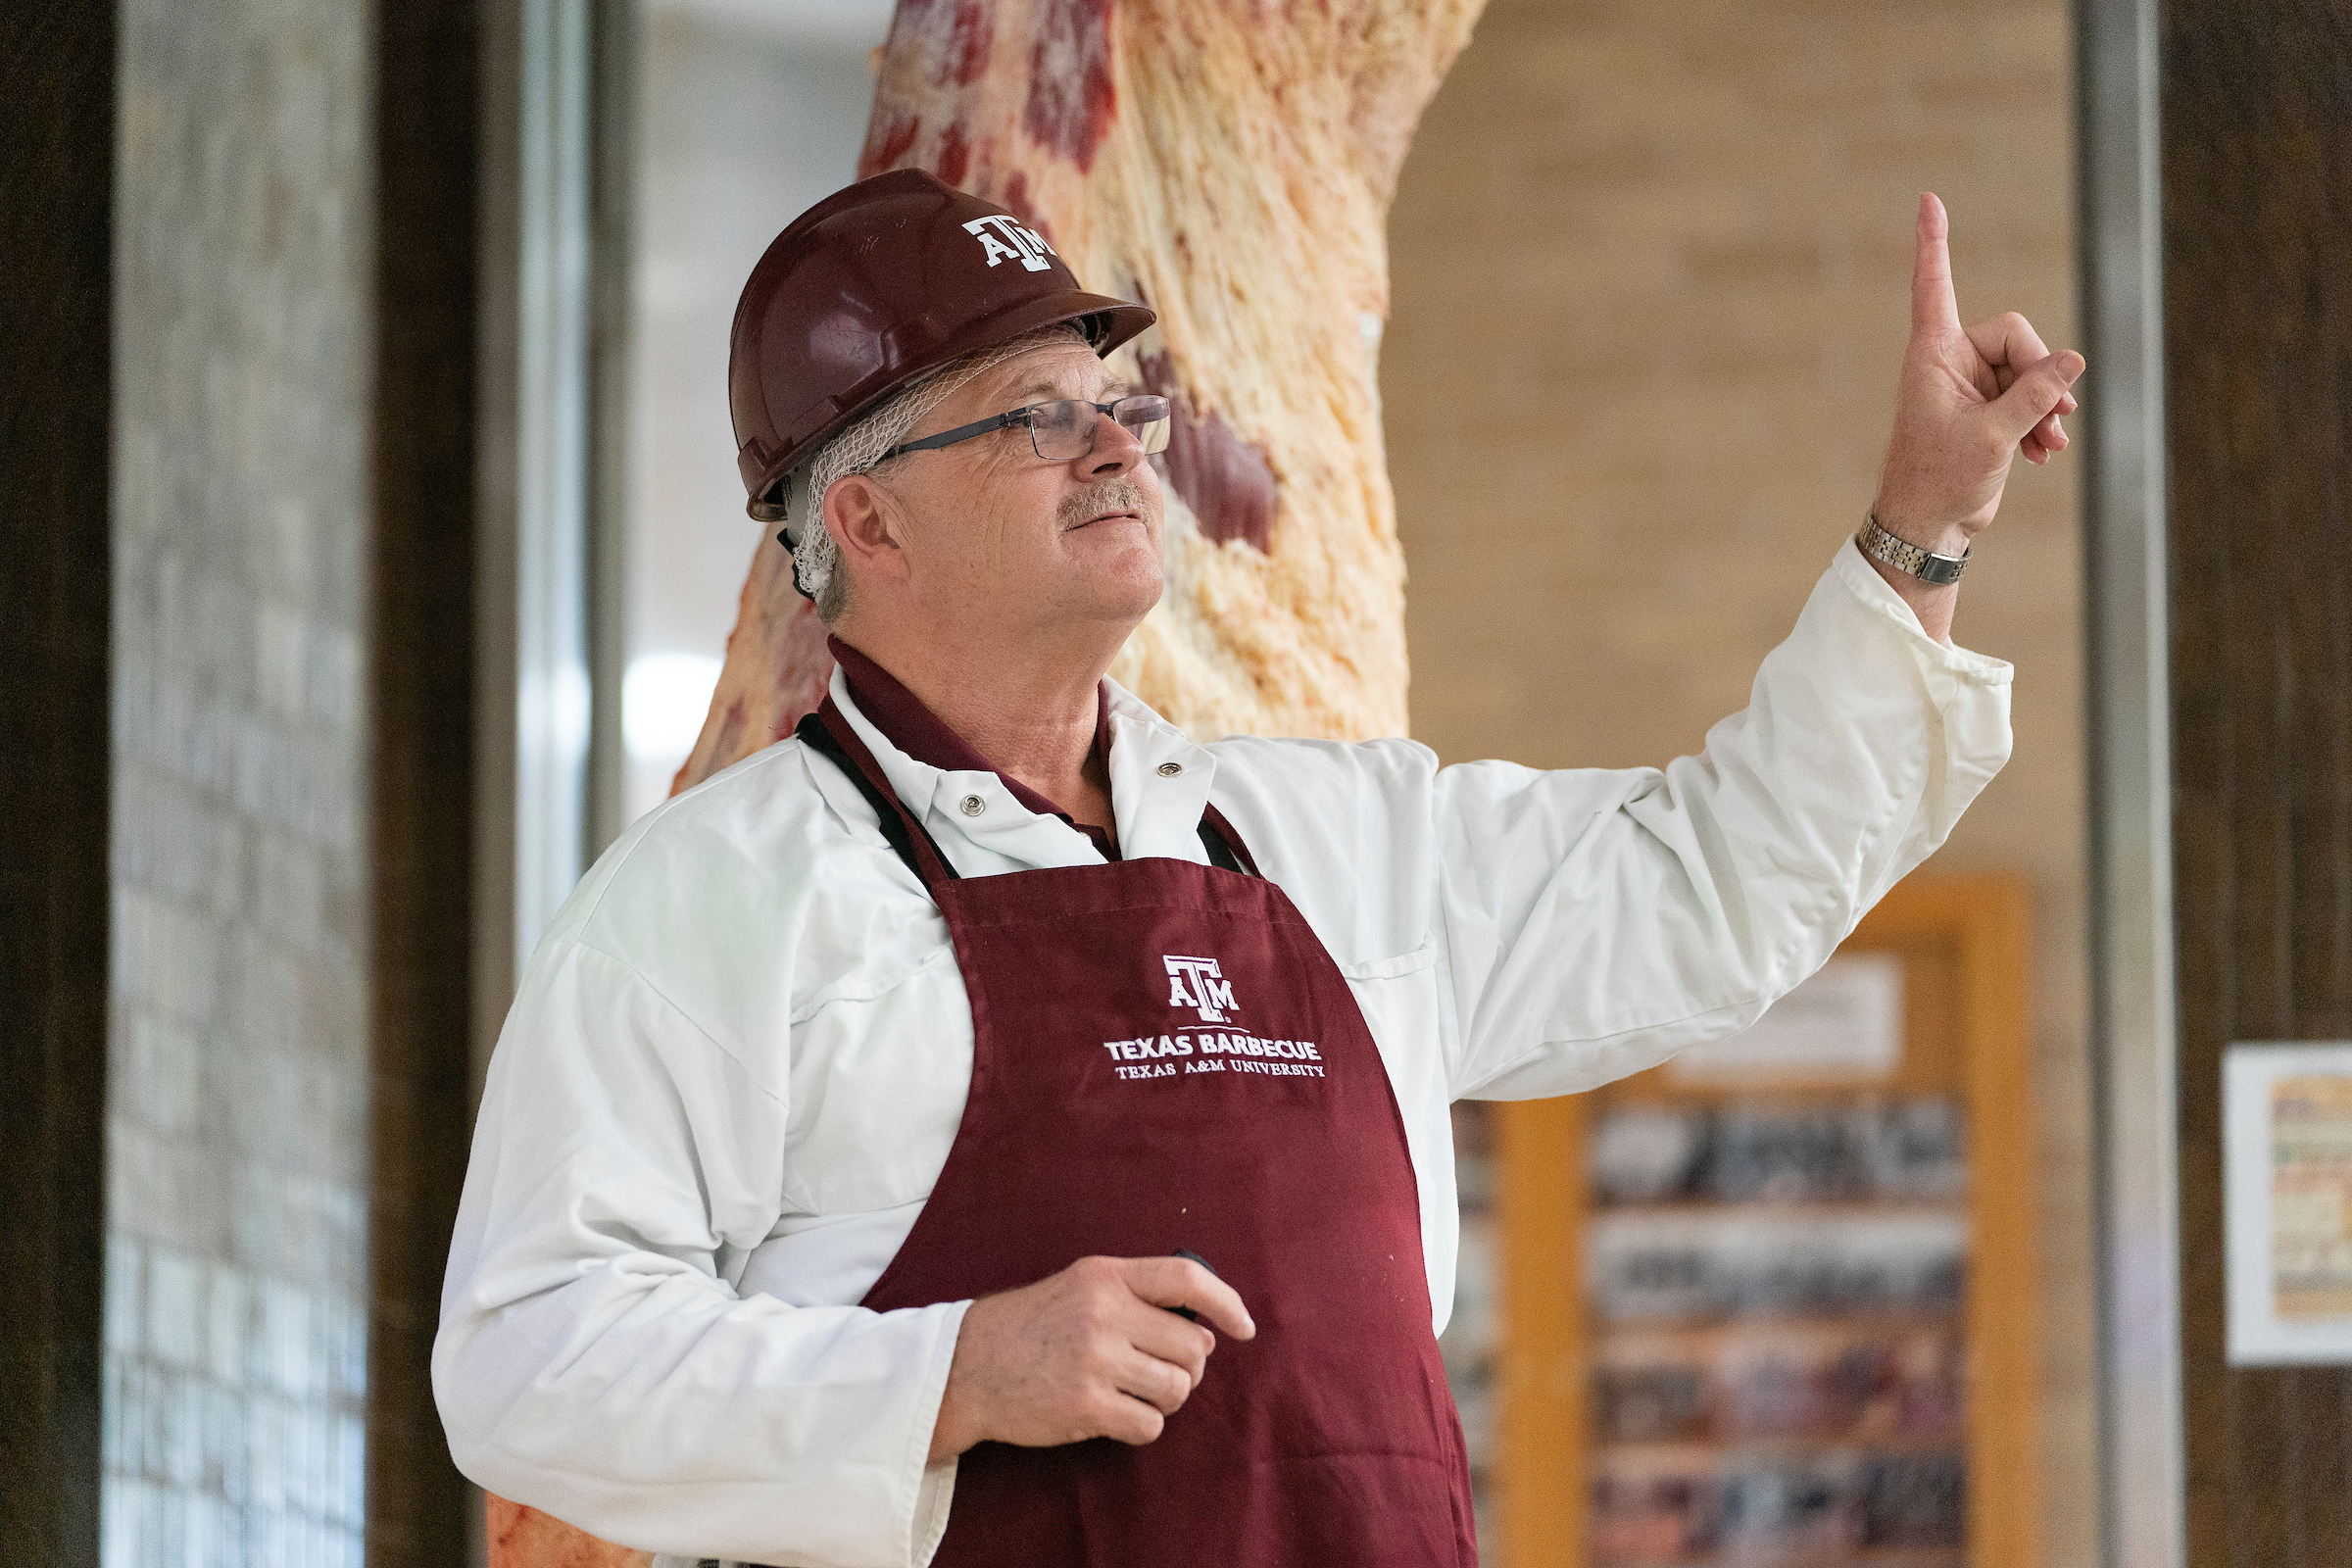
914 729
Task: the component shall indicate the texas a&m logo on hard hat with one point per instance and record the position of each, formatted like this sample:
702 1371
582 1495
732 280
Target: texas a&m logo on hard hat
1199 984
1004 238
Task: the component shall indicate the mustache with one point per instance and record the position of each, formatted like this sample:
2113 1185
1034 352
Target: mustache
1119 493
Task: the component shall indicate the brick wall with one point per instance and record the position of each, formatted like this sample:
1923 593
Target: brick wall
236 1128
1650 264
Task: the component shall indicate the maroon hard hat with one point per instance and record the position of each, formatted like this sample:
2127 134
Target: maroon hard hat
870 288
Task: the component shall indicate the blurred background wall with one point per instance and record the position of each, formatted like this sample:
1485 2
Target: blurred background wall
750 112
237 1169
1650 264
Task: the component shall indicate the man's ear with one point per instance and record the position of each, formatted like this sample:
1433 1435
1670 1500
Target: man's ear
867 524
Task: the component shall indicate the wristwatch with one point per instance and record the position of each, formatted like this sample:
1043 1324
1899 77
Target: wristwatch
1906 557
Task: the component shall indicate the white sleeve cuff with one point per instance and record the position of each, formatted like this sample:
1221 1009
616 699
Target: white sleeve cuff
1853 569
935 1493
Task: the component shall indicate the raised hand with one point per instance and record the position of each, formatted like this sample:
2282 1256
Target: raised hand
1970 400
1092 1352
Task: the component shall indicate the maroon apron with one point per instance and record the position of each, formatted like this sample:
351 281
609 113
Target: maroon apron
1164 1056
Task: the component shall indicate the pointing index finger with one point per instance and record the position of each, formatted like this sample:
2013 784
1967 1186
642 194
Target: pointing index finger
1934 306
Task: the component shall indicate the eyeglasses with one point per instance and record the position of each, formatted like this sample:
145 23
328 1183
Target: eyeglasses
1063 431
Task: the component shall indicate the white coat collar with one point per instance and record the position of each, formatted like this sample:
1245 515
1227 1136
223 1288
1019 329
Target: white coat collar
1158 811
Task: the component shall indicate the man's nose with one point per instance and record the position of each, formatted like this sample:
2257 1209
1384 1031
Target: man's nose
1115 452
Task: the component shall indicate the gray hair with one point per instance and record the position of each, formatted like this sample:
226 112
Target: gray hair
814 555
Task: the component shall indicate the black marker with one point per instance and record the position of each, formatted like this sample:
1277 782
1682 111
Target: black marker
1186 1312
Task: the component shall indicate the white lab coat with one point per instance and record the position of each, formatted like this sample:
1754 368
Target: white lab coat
737 1060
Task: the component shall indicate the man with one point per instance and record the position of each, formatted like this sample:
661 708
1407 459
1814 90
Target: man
990 1127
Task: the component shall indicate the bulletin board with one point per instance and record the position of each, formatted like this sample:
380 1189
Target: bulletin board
2287 1202
1773 1303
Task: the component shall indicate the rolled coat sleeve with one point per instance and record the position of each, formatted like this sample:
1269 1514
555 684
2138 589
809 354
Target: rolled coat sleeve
593 1360
1596 922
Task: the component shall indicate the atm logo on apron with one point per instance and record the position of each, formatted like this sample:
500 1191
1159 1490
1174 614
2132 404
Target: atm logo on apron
1212 994
1201 985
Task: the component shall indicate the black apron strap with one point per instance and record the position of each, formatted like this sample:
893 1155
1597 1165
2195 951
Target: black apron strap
898 826
1221 853
1226 851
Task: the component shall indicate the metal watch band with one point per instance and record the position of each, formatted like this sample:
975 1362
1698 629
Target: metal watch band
1906 557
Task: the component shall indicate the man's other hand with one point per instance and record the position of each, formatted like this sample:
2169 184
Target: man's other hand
1092 1352
1970 400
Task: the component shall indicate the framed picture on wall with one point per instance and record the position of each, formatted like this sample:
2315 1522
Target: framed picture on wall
1773 1302
2286 1162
